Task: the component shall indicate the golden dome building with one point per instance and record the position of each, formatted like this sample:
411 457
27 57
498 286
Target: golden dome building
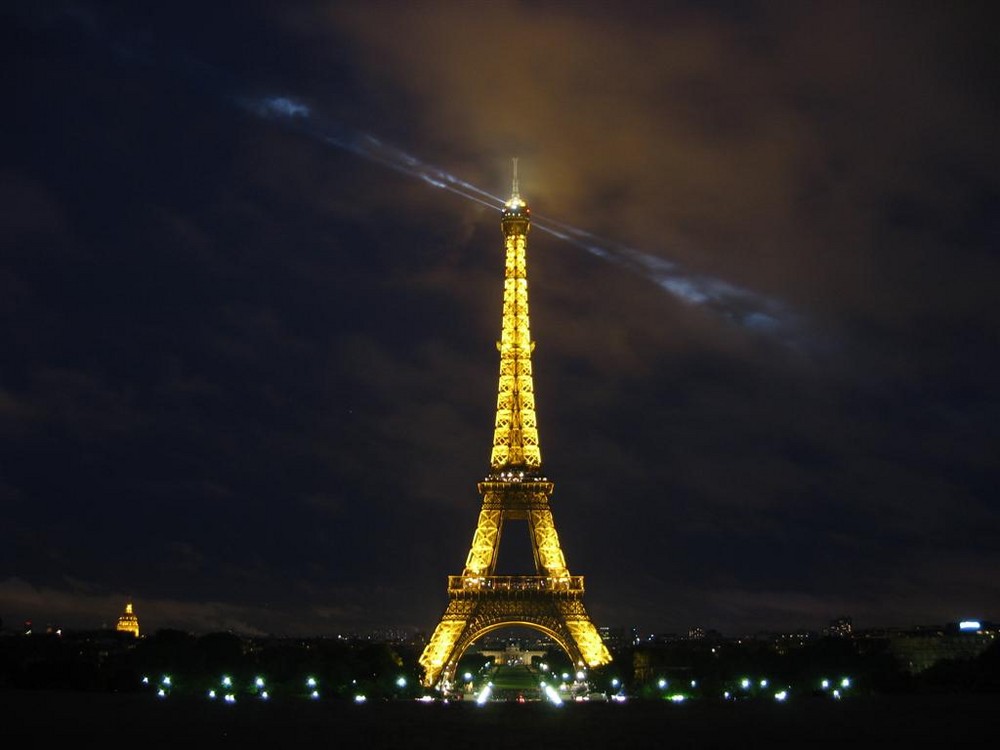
128 622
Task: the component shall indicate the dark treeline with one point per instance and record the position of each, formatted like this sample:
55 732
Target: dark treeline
869 664
112 661
118 662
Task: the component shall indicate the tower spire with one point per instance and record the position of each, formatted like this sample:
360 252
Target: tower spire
515 202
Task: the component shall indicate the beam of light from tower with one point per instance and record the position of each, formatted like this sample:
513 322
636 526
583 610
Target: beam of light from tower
747 309
300 117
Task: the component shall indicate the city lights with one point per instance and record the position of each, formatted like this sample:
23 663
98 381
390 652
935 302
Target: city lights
515 672
517 681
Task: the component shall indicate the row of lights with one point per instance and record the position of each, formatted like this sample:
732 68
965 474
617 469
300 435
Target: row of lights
165 684
835 689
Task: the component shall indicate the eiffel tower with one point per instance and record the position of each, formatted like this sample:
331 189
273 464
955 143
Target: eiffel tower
479 602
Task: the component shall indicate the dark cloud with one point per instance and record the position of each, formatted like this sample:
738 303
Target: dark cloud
253 375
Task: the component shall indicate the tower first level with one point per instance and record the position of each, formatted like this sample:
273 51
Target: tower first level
479 600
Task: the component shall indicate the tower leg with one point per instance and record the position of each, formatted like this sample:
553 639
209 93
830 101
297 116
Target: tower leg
440 648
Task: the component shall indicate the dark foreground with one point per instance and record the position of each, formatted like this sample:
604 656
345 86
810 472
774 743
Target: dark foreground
142 721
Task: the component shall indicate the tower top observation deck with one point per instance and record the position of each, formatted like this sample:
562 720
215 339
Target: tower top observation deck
515 215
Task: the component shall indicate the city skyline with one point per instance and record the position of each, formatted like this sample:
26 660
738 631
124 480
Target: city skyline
616 635
252 276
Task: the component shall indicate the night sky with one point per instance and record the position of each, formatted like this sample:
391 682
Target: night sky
249 312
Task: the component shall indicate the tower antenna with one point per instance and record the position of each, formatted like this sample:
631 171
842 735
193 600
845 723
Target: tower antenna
514 192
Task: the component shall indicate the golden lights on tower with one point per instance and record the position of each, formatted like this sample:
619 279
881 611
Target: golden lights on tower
551 601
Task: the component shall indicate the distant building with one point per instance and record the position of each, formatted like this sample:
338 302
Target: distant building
396 635
614 638
842 627
512 655
128 622
698 633
919 650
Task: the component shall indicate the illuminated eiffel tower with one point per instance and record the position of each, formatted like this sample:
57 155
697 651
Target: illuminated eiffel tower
514 490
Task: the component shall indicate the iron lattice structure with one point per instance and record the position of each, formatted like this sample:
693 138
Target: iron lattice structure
551 601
